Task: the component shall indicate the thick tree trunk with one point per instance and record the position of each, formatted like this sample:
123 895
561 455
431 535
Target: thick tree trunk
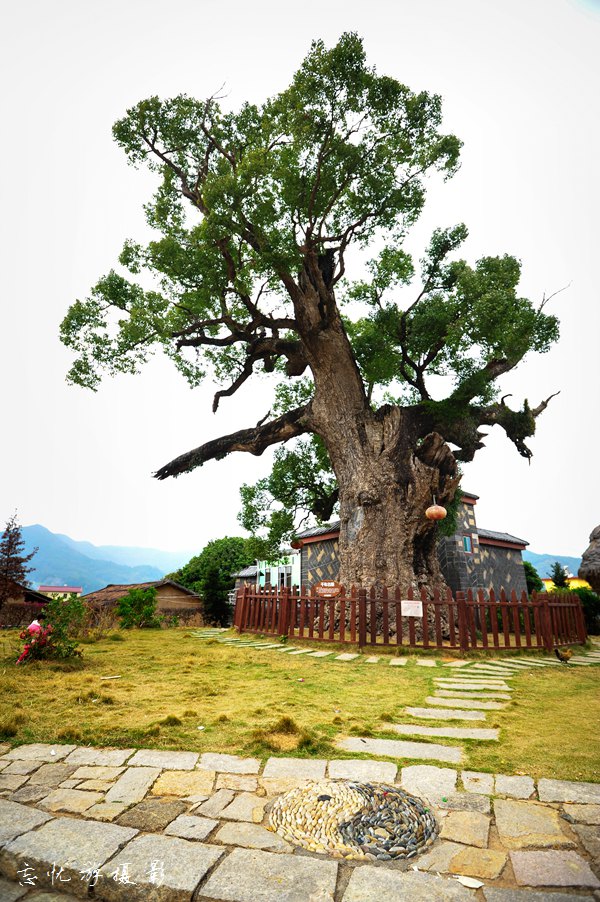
387 472
385 488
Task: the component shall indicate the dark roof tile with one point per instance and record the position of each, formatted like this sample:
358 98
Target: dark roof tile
247 571
500 536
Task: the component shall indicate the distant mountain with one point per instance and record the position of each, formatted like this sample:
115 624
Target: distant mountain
131 556
543 562
61 561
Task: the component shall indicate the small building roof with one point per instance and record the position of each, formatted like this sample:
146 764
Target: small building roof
113 592
66 590
246 572
30 595
490 536
334 526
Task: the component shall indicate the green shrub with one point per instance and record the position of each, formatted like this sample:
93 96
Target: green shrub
533 578
67 618
138 609
64 619
590 602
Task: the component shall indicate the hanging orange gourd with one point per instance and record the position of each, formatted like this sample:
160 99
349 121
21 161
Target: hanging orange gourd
436 511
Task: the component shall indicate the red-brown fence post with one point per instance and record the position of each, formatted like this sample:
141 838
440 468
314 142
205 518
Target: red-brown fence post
461 610
546 621
284 611
362 618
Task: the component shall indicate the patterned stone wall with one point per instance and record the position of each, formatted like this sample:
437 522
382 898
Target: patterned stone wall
459 567
485 567
502 568
319 561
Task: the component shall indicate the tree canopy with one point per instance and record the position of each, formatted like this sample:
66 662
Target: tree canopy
221 556
256 214
336 159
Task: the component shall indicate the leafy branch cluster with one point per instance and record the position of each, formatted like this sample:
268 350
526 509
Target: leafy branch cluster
255 215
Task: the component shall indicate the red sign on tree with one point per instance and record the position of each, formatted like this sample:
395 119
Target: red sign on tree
328 588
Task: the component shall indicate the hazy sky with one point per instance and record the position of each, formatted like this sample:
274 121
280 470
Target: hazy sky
520 83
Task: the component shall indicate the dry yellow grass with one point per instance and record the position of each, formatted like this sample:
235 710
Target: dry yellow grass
264 702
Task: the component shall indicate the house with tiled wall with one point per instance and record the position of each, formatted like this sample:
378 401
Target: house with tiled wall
472 558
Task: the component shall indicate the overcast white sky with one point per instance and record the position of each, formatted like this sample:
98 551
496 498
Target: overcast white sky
521 84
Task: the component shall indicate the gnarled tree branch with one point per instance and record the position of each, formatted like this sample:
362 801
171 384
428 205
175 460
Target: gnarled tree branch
254 441
461 425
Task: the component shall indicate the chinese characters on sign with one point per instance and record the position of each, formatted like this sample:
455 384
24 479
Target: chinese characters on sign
410 608
328 588
155 874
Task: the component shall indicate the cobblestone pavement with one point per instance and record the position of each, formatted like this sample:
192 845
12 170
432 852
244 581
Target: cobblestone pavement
155 826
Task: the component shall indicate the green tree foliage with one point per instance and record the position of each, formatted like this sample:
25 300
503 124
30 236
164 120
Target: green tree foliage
67 618
301 483
215 608
138 609
13 563
590 603
559 575
255 217
335 159
533 578
221 556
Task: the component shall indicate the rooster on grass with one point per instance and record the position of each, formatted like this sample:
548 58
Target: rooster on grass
563 656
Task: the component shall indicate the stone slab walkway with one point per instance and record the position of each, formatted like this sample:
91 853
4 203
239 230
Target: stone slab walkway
446 732
196 826
499 665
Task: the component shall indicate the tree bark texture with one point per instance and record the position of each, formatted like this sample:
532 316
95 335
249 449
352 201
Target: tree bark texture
387 471
386 483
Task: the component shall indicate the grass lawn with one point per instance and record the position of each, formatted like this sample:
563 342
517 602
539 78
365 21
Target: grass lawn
265 703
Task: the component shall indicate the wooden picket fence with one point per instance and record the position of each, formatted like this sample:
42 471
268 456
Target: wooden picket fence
482 620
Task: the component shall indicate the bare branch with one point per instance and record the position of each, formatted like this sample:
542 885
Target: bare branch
254 441
542 405
245 374
550 296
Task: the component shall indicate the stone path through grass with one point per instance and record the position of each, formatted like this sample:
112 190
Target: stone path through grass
465 691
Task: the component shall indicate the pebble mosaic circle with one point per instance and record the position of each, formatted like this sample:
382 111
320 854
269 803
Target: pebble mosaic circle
354 820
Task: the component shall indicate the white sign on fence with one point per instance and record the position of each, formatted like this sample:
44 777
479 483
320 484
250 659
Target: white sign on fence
411 608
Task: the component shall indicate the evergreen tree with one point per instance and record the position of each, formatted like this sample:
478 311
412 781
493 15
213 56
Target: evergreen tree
559 575
13 563
214 597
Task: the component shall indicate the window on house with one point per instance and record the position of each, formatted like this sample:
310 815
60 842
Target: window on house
467 544
285 577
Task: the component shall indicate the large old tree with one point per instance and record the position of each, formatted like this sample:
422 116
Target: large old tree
256 214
